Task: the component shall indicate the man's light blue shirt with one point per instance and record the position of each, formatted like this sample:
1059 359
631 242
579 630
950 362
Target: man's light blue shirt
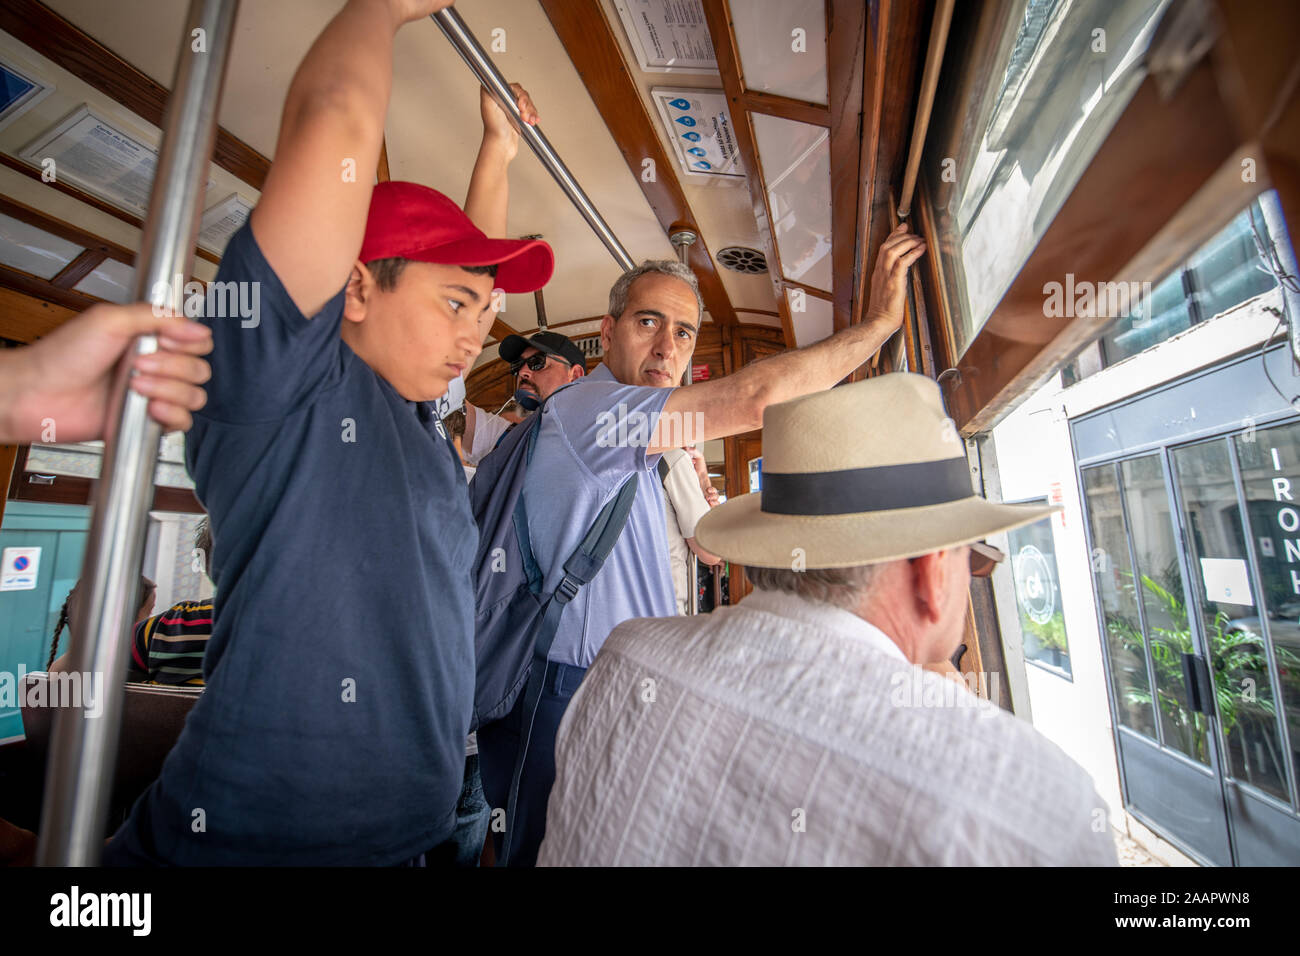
594 435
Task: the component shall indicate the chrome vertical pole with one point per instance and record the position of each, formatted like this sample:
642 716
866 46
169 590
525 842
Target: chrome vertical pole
83 749
455 30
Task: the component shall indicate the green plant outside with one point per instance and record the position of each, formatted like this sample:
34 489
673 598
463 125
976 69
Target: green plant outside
1049 634
1236 656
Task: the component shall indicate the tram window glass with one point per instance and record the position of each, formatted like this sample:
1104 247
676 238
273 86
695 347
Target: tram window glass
1221 275
1036 87
796 161
34 250
773 56
1225 272
84 460
171 561
111 280
1264 457
1038 594
1113 573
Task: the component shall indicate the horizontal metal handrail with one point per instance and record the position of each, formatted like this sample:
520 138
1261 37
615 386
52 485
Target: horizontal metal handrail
454 28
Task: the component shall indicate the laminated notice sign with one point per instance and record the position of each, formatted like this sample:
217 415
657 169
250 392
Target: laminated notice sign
668 36
1226 581
699 125
91 153
222 221
19 568
101 159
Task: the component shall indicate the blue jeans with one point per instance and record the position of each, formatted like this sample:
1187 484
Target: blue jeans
472 816
498 745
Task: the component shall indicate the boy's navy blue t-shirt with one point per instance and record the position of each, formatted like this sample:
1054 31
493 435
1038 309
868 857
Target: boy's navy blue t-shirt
340 672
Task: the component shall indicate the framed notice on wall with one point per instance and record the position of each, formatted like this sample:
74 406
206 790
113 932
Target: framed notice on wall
668 36
93 154
699 126
89 152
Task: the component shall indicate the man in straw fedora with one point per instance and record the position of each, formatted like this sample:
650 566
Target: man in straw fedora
800 726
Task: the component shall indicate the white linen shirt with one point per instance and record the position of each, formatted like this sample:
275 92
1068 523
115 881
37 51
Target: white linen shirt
785 731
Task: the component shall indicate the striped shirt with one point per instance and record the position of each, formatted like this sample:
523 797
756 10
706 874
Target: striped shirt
168 647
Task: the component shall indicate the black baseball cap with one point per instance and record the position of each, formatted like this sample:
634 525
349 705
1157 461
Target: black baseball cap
552 343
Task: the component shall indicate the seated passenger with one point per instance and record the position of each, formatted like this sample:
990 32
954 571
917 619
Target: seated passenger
70 614
168 647
799 726
340 671
541 364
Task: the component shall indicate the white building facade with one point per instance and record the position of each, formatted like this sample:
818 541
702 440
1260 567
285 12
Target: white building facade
1156 617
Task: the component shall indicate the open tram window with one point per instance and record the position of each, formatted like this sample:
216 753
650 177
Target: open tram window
1034 94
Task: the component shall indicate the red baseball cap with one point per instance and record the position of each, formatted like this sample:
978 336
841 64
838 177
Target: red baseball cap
411 221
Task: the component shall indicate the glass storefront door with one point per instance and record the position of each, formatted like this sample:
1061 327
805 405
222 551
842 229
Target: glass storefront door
1166 749
1243 535
1196 561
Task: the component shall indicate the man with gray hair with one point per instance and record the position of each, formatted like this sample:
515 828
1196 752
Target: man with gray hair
801 727
613 424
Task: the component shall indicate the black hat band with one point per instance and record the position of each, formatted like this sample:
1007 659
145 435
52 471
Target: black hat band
856 490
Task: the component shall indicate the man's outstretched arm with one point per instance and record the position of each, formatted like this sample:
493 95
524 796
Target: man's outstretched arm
732 405
311 218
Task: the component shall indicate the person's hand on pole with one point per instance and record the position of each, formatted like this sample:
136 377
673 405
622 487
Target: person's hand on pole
888 297
59 388
498 125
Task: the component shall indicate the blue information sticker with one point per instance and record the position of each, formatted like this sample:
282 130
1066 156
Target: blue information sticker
693 137
681 104
686 120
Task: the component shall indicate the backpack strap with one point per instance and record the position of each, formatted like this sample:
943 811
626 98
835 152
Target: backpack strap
663 469
581 567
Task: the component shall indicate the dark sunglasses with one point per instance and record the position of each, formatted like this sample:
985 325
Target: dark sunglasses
535 362
983 558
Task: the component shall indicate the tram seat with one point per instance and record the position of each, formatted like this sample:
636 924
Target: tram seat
152 719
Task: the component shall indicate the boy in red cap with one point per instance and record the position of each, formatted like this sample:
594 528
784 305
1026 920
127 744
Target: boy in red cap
340 671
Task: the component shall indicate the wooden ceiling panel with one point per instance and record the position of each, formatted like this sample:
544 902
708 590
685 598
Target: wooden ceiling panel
58 40
594 50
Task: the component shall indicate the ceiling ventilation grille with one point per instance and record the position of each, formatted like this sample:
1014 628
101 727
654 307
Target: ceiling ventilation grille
742 259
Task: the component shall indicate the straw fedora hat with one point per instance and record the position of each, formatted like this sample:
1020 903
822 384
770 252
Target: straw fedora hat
869 472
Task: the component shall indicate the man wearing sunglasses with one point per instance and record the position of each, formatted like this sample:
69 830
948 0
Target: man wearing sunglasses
540 364
543 362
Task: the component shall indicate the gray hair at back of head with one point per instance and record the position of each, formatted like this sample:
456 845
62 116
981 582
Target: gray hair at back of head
844 588
664 267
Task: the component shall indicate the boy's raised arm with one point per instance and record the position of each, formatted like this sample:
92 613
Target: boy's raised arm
312 214
489 186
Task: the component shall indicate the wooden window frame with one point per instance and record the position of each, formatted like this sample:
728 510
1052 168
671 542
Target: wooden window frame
1167 177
